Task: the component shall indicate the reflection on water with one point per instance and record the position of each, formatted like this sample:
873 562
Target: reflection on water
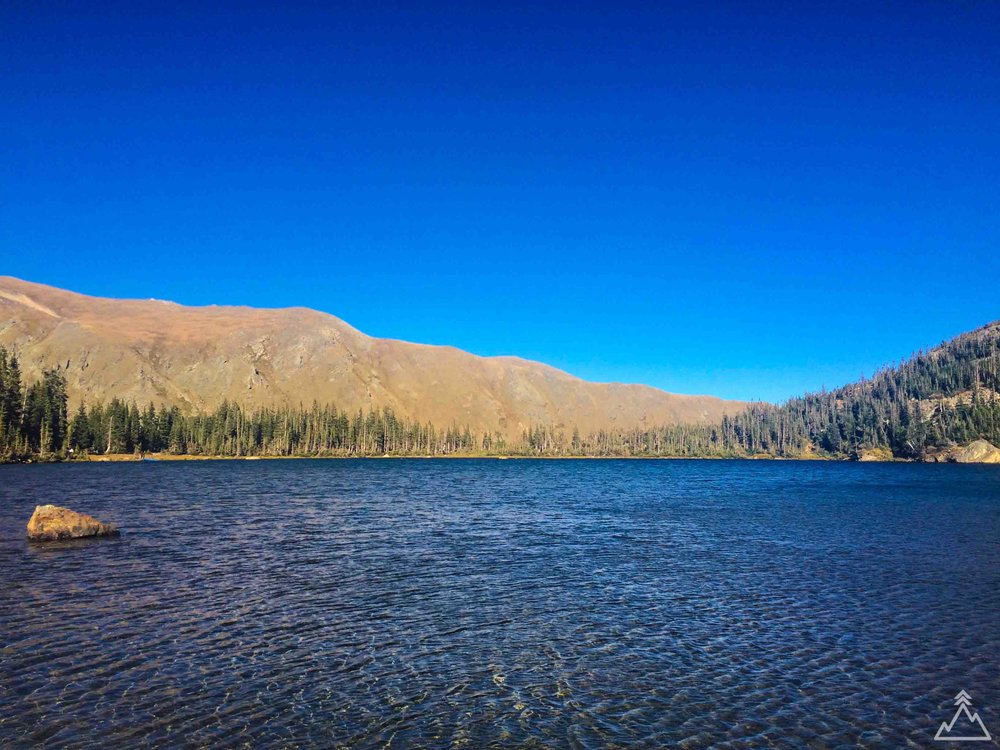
480 604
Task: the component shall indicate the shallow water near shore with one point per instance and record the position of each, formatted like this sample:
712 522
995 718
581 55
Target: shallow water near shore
483 603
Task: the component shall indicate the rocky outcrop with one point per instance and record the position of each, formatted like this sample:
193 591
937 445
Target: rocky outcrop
977 452
50 522
873 454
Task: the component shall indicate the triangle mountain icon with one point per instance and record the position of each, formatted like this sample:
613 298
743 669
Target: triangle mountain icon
965 726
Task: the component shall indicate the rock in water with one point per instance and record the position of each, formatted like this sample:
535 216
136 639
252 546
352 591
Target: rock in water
50 522
977 452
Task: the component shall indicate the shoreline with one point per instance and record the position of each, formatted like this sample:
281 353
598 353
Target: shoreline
157 457
188 457
882 458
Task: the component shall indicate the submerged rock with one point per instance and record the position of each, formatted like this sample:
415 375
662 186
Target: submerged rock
50 522
977 452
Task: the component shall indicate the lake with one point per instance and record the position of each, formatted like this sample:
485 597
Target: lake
483 603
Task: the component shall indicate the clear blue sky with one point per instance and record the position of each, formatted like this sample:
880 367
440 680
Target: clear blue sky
743 199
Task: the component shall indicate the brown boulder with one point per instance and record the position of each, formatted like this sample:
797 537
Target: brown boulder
50 522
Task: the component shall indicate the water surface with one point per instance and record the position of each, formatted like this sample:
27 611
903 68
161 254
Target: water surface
467 603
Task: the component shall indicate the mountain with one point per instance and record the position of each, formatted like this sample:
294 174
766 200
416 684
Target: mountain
197 357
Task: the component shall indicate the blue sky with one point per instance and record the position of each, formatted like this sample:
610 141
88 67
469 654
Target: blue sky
743 199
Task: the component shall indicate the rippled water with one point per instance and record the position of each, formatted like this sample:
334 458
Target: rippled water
466 603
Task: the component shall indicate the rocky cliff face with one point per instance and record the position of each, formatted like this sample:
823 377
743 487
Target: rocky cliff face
196 357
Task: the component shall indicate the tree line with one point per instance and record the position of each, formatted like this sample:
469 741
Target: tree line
33 417
231 430
935 399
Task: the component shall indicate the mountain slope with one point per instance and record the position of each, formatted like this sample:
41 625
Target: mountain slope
196 357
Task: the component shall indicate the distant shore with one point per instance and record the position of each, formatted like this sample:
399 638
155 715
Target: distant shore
153 457
977 452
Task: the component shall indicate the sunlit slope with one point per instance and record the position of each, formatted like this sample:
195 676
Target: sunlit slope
196 357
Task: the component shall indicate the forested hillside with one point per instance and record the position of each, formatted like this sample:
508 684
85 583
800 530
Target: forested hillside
947 396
